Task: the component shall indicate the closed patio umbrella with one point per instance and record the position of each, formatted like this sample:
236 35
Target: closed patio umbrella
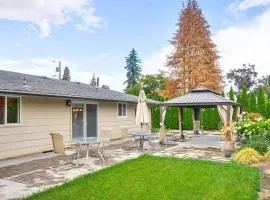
142 113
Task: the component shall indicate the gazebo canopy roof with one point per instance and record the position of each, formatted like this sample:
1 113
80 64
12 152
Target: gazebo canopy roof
199 97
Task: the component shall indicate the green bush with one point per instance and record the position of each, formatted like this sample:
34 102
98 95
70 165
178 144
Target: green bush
259 143
247 128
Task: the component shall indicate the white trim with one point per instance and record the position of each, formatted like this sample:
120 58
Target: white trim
121 116
5 110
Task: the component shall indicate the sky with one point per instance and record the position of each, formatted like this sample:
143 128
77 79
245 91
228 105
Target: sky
95 36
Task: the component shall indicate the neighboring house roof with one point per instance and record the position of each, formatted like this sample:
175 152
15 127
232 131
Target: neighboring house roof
18 83
199 97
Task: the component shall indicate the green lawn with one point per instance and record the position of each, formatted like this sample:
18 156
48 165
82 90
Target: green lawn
151 177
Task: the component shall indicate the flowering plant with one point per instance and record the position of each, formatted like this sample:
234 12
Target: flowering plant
250 126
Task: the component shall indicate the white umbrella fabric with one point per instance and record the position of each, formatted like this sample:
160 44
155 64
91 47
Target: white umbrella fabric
142 113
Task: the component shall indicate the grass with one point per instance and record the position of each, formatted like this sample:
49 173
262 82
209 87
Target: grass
150 177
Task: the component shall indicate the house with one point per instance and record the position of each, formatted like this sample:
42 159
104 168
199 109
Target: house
31 107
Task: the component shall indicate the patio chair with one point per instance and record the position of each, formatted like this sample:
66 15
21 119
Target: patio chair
107 134
124 134
58 144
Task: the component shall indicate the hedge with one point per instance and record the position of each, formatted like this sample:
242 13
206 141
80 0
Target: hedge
209 118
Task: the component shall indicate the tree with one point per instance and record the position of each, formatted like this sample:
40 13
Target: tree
252 102
245 76
133 68
222 93
194 61
261 101
231 94
94 80
244 99
66 75
268 109
264 82
151 84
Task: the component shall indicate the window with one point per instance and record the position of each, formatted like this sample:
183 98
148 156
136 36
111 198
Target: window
9 110
122 110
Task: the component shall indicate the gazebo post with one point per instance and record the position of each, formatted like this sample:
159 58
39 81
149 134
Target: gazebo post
162 114
228 123
180 121
195 117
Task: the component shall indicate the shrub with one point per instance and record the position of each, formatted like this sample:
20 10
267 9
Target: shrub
258 142
267 155
254 116
247 128
247 156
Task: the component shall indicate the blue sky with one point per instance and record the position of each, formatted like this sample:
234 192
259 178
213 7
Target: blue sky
95 36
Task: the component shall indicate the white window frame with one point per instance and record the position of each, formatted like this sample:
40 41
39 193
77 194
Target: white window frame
5 110
121 116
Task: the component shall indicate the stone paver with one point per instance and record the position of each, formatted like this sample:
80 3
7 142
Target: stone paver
27 175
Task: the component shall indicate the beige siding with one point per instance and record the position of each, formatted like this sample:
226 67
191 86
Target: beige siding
108 118
40 116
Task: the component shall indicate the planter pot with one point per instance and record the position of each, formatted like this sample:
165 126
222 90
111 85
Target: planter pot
227 147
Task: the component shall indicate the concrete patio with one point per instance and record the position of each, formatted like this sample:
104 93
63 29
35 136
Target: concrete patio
22 176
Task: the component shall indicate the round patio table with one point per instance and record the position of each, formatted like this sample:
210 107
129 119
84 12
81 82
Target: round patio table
88 141
141 136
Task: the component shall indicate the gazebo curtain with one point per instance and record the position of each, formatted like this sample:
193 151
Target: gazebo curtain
163 110
223 111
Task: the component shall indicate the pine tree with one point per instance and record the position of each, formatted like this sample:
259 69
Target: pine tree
231 94
133 68
66 75
194 61
268 109
93 81
252 102
222 93
261 101
238 98
244 99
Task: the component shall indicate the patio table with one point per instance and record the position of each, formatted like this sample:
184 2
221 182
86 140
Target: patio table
141 136
89 141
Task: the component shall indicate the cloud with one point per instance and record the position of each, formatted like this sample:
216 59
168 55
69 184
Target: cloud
246 43
156 61
247 4
45 14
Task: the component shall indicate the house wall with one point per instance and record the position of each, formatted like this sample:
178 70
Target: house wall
41 116
108 118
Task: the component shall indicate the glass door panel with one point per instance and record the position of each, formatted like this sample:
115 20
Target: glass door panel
91 120
77 120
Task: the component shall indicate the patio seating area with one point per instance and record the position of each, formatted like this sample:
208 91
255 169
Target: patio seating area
24 175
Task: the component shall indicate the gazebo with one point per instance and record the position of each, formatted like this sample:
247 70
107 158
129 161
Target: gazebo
197 99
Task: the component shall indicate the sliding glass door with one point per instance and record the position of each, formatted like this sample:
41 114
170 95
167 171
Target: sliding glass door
84 120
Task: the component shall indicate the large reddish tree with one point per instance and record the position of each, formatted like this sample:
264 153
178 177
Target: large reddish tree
194 61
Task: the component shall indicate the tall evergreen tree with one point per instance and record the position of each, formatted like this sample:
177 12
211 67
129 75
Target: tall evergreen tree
194 62
66 75
268 109
231 94
244 99
133 68
222 93
261 101
252 102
